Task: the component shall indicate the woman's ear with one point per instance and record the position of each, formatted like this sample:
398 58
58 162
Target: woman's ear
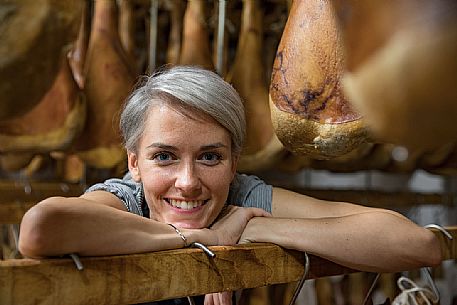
132 161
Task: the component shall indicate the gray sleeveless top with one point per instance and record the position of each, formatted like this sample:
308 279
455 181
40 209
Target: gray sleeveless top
245 191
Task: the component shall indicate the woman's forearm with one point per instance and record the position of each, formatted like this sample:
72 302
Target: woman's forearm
372 241
61 226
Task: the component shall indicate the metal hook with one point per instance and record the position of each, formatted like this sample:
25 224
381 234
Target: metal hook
426 272
190 300
440 228
302 281
370 291
207 251
78 263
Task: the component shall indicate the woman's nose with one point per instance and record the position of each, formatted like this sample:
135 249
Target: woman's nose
187 180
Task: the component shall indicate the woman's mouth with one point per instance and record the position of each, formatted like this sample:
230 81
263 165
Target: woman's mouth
185 204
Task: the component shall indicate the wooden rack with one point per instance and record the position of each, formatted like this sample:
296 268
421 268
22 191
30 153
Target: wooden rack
17 198
162 275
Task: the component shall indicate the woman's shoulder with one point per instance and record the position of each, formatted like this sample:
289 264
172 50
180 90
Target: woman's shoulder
250 191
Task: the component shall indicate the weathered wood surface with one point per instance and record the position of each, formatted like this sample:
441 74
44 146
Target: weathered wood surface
146 277
161 275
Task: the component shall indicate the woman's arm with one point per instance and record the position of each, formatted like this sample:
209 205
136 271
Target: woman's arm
355 236
97 223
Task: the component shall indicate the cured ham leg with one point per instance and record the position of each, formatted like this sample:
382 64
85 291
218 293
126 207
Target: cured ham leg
77 56
33 36
109 80
195 44
310 114
262 148
52 124
176 9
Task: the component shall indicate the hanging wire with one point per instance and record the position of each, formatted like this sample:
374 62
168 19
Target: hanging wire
153 11
208 252
370 291
220 37
302 281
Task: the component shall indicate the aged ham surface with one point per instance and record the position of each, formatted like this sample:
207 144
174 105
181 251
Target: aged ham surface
310 112
247 75
33 34
402 68
176 9
195 42
109 80
77 56
52 124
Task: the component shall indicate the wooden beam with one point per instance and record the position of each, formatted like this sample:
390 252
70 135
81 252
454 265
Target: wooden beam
29 191
152 276
162 275
379 199
17 198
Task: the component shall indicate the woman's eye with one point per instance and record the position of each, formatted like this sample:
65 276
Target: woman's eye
163 157
210 158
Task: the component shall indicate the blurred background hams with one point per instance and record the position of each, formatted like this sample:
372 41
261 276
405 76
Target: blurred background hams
196 48
336 85
33 35
109 78
262 148
401 71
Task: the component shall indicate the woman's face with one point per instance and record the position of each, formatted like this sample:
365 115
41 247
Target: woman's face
185 165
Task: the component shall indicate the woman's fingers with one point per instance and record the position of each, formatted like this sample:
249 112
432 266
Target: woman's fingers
220 298
256 212
209 299
232 222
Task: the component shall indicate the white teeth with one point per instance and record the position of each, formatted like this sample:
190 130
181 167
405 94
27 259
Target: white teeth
186 205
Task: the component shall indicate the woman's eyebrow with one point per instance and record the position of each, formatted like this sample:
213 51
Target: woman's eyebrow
162 146
213 146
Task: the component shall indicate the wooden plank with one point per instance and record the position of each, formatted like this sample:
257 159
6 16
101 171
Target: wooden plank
162 275
16 197
152 276
379 199
36 191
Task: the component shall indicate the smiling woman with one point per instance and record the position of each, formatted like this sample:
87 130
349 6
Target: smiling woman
183 130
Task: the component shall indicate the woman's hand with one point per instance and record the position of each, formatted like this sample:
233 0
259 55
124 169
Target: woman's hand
251 231
220 298
232 221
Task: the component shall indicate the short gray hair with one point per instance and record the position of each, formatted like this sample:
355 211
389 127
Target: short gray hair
192 88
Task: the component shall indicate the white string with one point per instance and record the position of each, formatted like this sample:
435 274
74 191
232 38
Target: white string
411 293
